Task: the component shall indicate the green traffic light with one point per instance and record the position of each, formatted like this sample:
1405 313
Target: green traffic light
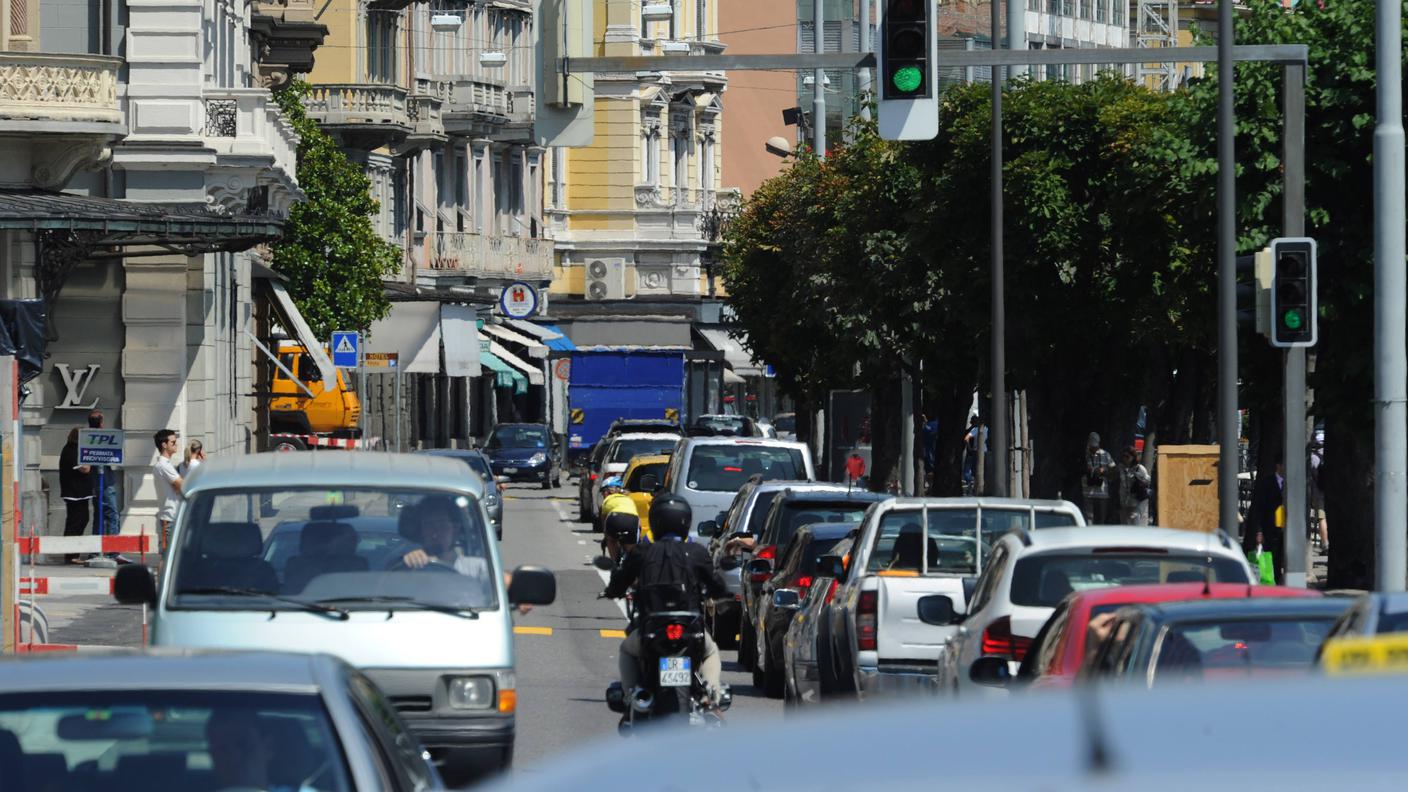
907 79
1292 319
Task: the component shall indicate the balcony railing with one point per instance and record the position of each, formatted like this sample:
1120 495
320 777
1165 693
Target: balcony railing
475 103
247 121
358 105
63 88
426 110
477 255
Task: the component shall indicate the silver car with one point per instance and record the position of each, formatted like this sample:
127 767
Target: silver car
708 471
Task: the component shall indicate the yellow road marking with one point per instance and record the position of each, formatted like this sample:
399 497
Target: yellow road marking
532 631
613 633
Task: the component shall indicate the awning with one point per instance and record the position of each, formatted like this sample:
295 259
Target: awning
534 374
504 375
551 335
737 357
412 332
732 379
291 320
109 221
458 330
536 348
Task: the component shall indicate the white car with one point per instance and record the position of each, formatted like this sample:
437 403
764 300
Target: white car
1029 573
708 471
619 453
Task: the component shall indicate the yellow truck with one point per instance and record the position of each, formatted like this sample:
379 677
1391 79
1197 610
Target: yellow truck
299 420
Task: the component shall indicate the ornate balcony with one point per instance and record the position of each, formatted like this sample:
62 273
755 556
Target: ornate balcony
363 116
59 93
255 146
476 107
285 33
426 111
478 256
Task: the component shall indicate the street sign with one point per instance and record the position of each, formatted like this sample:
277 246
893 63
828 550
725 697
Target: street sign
345 345
518 300
382 360
100 446
578 415
563 369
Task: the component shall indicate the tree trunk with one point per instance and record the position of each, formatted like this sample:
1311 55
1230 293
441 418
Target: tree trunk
950 402
884 433
1349 500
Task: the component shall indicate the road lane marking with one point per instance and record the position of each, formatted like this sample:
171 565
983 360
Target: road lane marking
532 631
613 633
605 579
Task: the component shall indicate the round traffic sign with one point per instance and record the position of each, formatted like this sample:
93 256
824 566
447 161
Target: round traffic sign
563 369
518 300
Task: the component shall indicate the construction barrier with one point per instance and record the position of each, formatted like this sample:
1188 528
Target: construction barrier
29 639
84 545
298 442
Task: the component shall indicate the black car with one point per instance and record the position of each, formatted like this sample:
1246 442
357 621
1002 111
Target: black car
524 452
782 594
790 511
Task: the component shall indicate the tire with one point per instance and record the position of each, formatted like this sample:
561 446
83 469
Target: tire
547 479
774 682
726 632
289 444
745 646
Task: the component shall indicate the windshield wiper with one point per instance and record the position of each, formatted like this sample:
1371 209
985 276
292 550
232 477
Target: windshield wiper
235 591
380 599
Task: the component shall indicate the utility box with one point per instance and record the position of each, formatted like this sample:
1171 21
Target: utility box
1187 488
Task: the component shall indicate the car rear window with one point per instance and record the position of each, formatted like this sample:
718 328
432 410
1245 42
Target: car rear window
725 468
761 506
478 465
952 548
799 513
656 468
1042 580
623 450
1239 647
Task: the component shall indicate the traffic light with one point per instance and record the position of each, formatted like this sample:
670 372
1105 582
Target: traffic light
1254 291
1293 301
906 58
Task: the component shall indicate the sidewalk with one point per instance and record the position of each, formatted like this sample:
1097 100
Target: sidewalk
85 619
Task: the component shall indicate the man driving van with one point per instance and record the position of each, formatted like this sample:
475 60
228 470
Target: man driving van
435 523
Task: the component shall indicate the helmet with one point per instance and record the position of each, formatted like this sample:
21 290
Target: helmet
612 481
670 515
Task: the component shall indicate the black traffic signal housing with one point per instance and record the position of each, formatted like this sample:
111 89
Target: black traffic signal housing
1254 290
1293 292
905 67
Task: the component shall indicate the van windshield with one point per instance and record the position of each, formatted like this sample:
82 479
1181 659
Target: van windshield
276 549
518 437
725 468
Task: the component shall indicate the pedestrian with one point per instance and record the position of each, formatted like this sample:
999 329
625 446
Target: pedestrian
1317 491
76 490
168 482
195 455
970 451
1266 518
1134 489
104 489
1095 486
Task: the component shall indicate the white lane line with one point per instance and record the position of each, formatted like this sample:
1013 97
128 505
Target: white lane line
606 578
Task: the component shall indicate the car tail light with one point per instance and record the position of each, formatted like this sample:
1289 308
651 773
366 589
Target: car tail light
803 584
768 553
674 632
999 640
831 592
865 621
593 478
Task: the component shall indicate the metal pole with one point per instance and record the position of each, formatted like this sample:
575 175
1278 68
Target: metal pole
1016 32
1226 276
1292 225
998 420
906 432
399 447
819 80
863 75
1391 459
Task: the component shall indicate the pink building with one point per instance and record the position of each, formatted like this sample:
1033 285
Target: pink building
755 100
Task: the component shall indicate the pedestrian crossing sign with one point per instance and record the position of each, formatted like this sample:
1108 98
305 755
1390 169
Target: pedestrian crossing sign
345 346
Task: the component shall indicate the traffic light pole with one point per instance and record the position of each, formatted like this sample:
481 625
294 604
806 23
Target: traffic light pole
819 80
1227 465
997 421
1293 225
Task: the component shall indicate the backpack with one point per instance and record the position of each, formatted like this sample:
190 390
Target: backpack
666 582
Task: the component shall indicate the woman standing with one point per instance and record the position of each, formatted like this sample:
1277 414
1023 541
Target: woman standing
195 455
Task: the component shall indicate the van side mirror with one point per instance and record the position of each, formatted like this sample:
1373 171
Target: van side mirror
649 482
786 599
992 671
532 585
134 585
937 609
832 566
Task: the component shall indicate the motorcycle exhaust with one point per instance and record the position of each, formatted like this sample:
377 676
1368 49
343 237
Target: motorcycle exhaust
642 701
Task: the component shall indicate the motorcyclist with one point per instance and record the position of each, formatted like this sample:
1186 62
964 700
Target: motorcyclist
670 557
614 501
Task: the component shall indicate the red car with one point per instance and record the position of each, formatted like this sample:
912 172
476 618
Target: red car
1059 649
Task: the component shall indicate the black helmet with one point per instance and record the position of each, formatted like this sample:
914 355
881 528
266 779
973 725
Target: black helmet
670 515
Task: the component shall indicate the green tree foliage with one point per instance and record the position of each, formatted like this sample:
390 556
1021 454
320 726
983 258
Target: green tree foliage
330 253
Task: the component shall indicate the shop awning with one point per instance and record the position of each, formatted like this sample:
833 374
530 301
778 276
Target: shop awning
551 335
108 221
738 358
536 348
533 373
412 332
732 379
291 320
504 375
459 332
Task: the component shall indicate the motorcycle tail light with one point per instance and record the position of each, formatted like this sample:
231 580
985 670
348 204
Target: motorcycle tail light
674 632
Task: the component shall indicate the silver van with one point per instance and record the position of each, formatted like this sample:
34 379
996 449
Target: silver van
708 471
385 560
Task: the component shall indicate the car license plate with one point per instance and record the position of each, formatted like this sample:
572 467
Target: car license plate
674 672
510 470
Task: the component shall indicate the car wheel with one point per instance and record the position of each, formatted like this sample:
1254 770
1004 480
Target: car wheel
547 480
725 631
773 681
745 646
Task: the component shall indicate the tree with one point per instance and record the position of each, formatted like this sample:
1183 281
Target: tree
330 254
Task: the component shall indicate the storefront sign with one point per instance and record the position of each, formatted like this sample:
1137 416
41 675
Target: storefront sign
519 300
381 360
76 383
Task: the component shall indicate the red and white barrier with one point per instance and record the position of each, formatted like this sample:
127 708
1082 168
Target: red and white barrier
38 648
69 586
82 545
35 585
289 442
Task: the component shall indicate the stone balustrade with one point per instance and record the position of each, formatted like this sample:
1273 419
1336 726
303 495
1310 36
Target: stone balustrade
477 255
69 89
353 105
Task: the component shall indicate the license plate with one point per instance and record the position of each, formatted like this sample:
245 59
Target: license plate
510 470
674 672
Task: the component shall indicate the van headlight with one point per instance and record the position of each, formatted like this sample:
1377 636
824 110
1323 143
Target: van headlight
538 458
475 693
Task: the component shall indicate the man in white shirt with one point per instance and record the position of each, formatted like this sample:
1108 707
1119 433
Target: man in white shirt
168 482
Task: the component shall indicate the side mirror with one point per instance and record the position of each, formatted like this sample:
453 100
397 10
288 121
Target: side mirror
760 566
532 585
730 563
937 609
786 599
721 518
992 671
648 483
501 479
832 566
603 563
707 528
134 585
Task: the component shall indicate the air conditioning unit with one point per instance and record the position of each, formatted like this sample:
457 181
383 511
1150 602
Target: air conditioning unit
606 279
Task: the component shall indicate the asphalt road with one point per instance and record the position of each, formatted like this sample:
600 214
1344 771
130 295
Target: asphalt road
567 651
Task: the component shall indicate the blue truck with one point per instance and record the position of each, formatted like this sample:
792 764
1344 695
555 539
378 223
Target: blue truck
631 383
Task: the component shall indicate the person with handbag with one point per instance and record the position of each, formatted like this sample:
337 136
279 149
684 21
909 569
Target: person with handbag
1095 484
1134 489
1265 525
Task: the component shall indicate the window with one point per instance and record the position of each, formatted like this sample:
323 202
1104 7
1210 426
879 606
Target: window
410 757
1053 6
905 546
793 515
558 163
679 147
381 46
656 469
624 450
724 468
479 193
761 505
1246 646
1102 10
517 437
1042 580
1085 11
701 19
1117 10
991 578
706 165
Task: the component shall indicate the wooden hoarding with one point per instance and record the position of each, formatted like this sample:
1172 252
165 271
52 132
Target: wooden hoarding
1187 487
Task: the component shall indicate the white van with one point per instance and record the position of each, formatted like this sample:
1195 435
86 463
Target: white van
384 560
708 471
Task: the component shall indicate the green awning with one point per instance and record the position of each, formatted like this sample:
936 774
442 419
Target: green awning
505 376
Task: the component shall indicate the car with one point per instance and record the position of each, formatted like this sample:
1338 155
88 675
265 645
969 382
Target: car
1028 573
524 452
433 630
786 425
707 471
743 517
809 673
724 426
1063 642
493 485
642 478
587 483
780 597
175 720
911 552
619 452
1168 643
790 511
1374 613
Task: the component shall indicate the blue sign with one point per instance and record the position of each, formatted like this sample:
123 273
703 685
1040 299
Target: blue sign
518 300
100 446
345 346
769 371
